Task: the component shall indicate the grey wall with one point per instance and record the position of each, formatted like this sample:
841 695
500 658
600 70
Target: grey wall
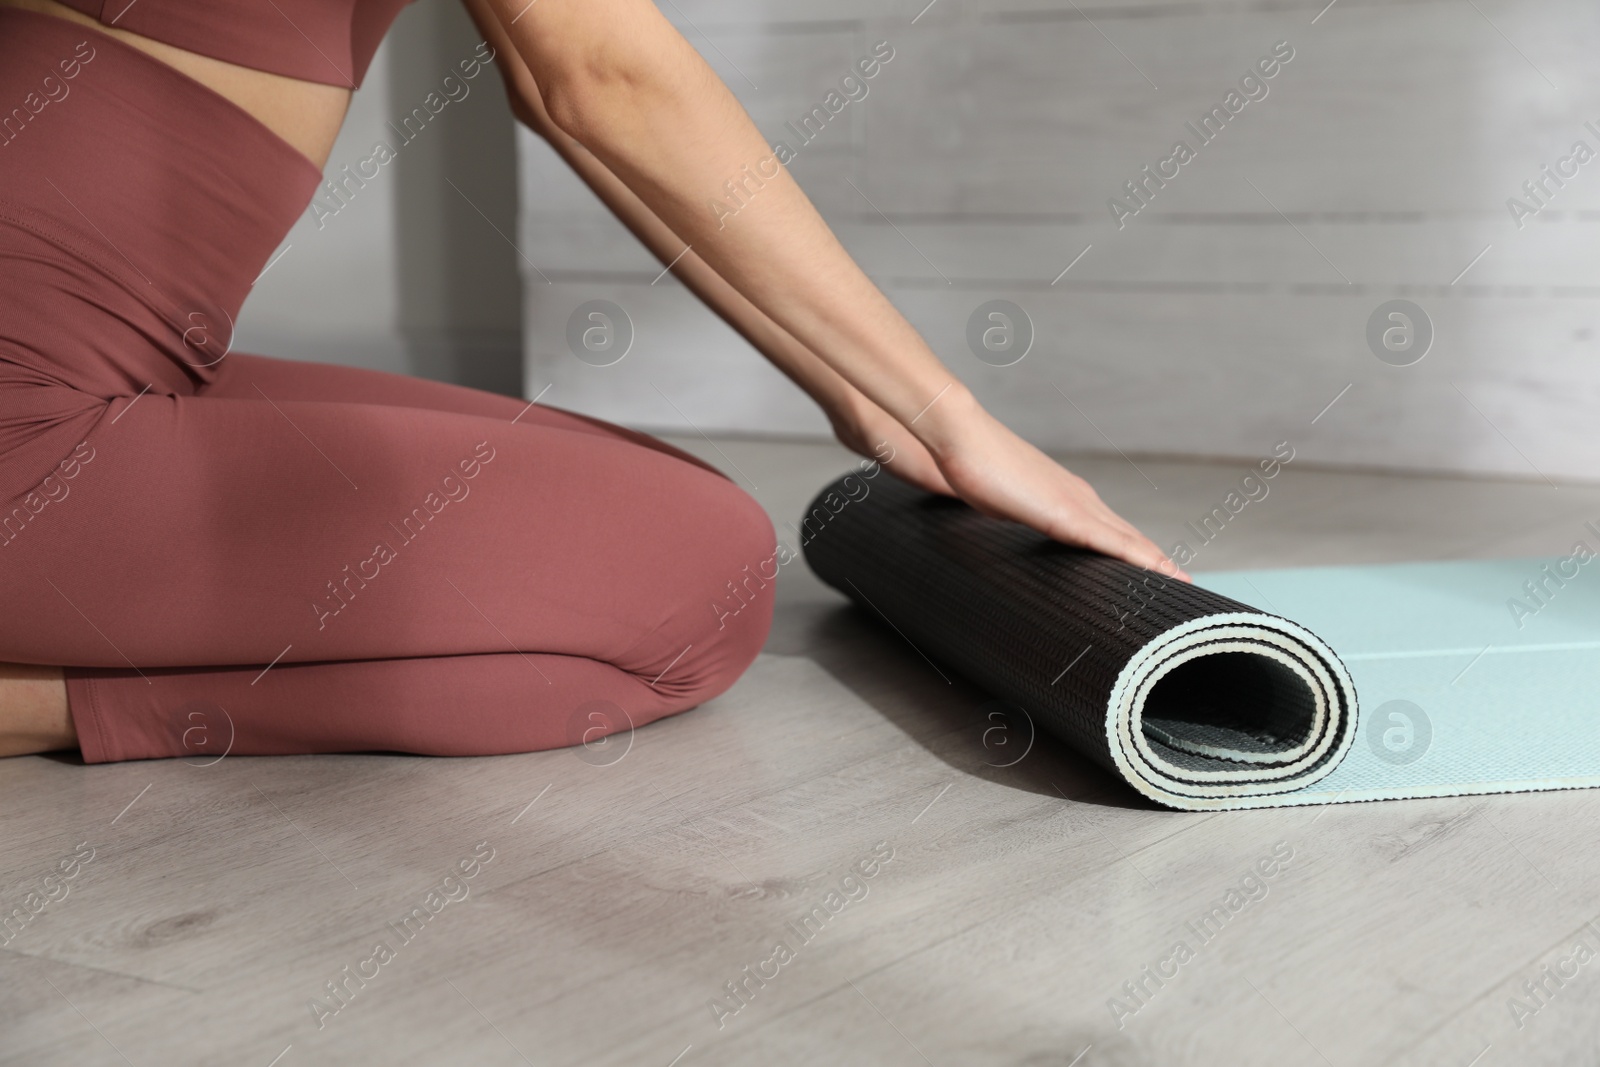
406 272
1228 313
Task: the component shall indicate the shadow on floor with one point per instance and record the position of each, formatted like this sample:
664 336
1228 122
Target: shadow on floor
963 726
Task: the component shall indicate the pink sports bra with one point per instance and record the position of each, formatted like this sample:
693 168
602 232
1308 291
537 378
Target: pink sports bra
328 41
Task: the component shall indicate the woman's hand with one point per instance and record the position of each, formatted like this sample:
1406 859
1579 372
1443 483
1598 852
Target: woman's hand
1001 475
870 431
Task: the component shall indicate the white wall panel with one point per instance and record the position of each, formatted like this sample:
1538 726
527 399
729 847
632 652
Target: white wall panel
1226 313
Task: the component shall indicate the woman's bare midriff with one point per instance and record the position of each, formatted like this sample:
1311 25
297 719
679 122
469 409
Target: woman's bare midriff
305 114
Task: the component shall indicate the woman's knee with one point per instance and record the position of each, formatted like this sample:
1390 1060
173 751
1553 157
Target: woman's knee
727 624
745 600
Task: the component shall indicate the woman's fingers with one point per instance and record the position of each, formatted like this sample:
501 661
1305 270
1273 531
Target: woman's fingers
1135 542
1142 552
1003 476
1109 533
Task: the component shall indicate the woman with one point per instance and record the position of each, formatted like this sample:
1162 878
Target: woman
294 557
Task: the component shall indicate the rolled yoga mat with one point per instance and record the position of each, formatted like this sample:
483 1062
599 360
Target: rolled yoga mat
1241 690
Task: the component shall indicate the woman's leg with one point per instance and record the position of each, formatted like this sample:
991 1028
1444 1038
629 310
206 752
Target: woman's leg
251 377
33 710
495 580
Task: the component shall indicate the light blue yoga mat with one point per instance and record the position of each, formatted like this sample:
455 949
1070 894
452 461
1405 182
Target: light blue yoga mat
1458 693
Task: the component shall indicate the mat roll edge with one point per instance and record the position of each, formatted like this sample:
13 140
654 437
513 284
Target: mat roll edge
1198 701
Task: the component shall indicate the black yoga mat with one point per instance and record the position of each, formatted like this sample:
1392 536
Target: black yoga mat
1195 699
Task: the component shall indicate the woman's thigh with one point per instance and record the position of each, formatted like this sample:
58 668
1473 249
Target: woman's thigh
213 530
252 377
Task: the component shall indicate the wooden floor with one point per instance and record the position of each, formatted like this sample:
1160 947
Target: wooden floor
622 896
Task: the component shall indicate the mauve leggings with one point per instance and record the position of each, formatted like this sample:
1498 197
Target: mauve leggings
269 556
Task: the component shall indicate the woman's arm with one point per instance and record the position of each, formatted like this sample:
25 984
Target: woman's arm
859 424
617 78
